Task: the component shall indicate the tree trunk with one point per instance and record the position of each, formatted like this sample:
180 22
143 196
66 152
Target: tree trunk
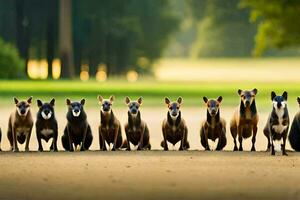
50 45
66 39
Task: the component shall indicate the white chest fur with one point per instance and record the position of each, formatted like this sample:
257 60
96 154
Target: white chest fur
279 128
47 132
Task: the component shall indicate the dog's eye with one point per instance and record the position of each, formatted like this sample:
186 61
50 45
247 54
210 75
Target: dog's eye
177 107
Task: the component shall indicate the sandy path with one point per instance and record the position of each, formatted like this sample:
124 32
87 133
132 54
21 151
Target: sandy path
149 175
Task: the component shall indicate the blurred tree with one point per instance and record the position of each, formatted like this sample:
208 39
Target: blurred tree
223 30
278 23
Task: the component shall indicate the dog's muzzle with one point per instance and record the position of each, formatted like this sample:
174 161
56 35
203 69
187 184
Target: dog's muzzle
46 114
76 112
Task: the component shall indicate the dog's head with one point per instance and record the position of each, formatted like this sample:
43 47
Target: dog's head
46 109
279 102
174 107
247 97
23 106
76 108
133 105
106 104
213 105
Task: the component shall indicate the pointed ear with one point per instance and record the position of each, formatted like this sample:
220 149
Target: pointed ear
254 91
179 100
167 101
100 98
220 98
68 101
52 102
285 95
140 100
82 102
29 100
240 91
205 99
111 99
16 100
298 100
273 95
127 100
39 103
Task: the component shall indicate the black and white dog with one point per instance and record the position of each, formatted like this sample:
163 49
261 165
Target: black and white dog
278 122
46 124
77 131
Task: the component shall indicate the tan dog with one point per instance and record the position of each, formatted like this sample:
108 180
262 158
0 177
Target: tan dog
110 127
245 119
136 129
174 127
20 125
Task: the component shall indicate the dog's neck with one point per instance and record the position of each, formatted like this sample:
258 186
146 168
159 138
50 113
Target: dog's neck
174 121
107 117
213 120
134 119
22 117
248 112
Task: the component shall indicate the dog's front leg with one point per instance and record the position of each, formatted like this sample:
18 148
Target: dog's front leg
182 140
165 140
38 137
54 141
83 139
28 140
115 138
16 148
283 144
140 145
70 139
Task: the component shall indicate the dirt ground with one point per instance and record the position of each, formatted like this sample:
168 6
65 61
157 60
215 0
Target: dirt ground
156 174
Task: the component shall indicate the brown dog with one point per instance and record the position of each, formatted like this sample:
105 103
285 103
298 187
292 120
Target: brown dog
136 129
214 127
20 125
110 127
174 127
245 119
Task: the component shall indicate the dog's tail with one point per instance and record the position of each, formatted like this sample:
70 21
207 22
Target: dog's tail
0 138
124 144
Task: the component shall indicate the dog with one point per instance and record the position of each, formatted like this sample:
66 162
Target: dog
245 119
77 131
294 135
214 127
174 128
278 122
46 124
110 127
20 125
137 131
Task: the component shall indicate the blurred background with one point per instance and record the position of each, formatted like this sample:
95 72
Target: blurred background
150 48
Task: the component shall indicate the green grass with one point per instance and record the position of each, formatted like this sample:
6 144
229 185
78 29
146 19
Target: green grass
153 92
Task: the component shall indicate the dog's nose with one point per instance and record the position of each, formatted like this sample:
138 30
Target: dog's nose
213 112
174 114
22 112
76 110
279 105
247 103
46 112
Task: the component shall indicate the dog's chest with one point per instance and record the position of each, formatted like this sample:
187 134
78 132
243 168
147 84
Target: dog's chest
280 127
22 130
47 132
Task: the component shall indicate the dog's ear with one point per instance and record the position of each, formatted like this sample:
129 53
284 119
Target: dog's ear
273 95
52 102
16 100
140 100
100 98
111 99
29 100
285 95
220 98
39 103
205 99
254 91
82 102
127 100
68 101
298 100
240 91
167 101
179 100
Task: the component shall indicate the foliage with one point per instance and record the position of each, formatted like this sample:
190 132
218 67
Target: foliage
11 65
278 23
